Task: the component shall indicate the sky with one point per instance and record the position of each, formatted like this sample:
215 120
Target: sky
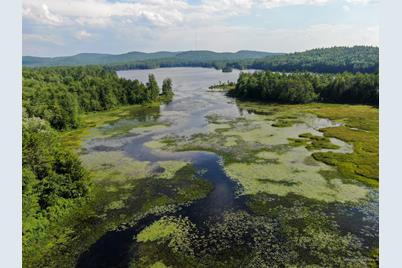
68 27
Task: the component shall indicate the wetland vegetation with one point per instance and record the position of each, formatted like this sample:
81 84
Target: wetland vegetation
203 180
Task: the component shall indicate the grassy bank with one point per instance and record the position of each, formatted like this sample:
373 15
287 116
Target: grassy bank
361 128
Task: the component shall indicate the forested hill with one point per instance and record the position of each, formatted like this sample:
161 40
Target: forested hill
362 59
136 57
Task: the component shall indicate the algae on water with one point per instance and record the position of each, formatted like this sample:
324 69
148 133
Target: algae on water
115 165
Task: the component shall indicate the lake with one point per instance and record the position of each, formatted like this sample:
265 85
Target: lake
209 181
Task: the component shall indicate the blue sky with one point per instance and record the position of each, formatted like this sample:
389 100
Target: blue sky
67 27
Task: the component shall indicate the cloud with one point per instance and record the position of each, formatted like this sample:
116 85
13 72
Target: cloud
279 3
102 13
41 14
346 8
81 35
73 26
227 7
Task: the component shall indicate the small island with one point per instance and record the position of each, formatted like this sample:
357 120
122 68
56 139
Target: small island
222 87
227 69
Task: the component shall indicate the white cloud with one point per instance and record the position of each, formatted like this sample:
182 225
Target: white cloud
175 24
102 13
41 14
81 35
227 7
279 3
50 16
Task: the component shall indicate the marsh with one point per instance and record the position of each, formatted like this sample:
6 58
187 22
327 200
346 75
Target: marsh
209 181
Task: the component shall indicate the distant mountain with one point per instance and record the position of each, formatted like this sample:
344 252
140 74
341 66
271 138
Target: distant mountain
132 57
364 59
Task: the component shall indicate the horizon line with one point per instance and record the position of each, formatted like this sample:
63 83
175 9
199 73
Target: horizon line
193 50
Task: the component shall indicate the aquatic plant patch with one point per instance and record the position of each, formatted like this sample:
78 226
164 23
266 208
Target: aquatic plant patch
283 236
282 179
355 124
106 123
115 165
313 142
285 123
168 169
177 231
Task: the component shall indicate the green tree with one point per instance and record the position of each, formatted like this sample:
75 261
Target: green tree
167 87
52 180
49 170
153 88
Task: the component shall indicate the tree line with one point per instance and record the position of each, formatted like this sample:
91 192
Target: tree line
59 94
307 87
173 62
